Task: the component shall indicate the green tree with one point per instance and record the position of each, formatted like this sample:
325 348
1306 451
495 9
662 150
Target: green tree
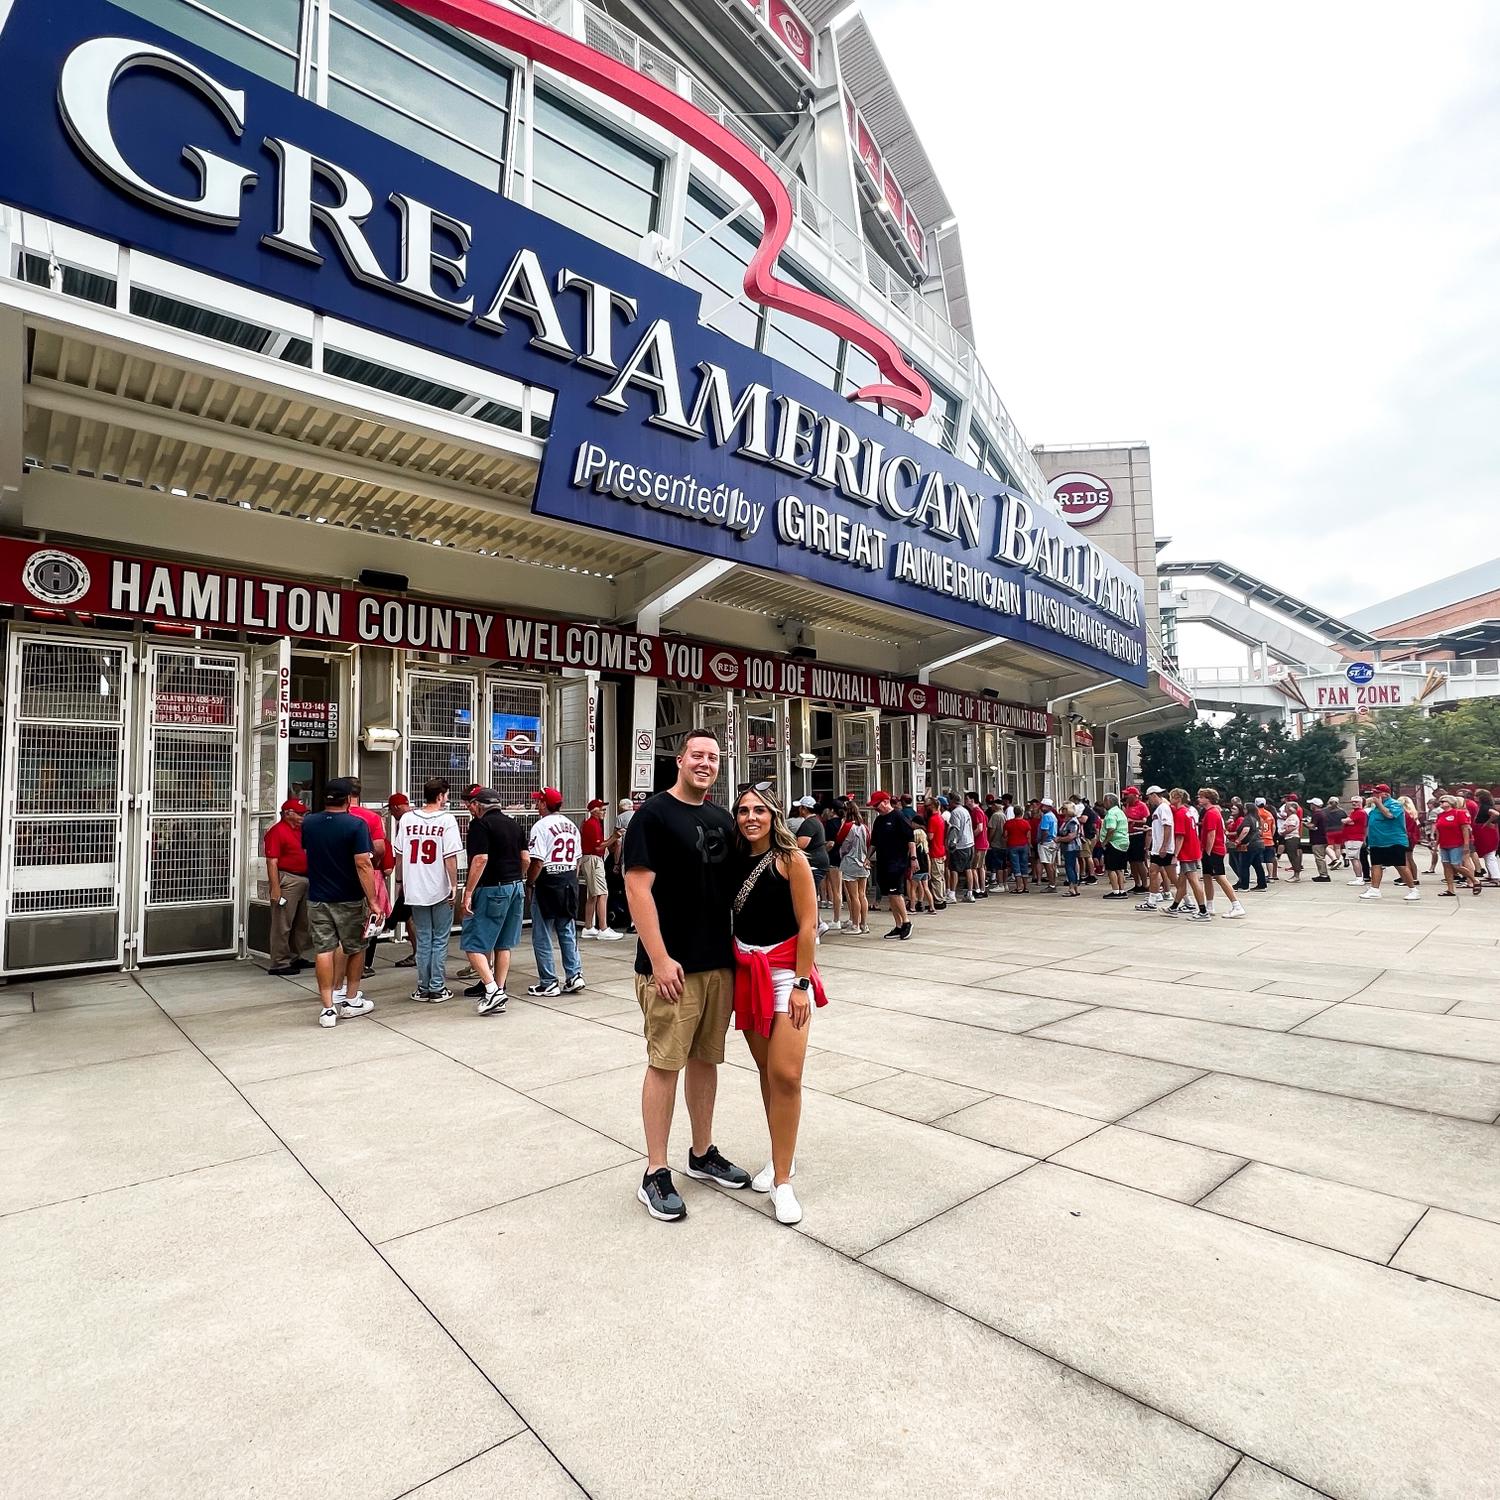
1315 765
1462 744
1179 757
1248 755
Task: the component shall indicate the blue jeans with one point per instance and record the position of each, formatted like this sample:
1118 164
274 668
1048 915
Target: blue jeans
1070 863
430 926
541 947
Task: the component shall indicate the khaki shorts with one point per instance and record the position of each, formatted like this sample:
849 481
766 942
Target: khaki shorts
939 871
336 924
591 875
692 1026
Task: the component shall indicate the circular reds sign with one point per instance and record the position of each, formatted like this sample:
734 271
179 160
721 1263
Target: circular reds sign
1082 498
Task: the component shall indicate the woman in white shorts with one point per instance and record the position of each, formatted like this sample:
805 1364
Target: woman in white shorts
854 867
776 983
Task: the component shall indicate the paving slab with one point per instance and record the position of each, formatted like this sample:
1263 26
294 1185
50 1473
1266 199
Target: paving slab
1150 1162
1450 1247
251 1044
942 1407
1085 1082
1429 1159
1442 1036
1260 1341
884 959
88 1130
225 1333
404 1142
986 1007
72 995
1208 1003
1351 1219
846 1155
1253 1481
1031 1129
1484 1010
79 1038
1468 1090
914 1096
520 1466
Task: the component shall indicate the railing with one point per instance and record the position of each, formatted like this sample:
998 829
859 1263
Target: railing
583 19
1252 676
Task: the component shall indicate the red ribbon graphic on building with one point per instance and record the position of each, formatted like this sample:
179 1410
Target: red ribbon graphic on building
905 389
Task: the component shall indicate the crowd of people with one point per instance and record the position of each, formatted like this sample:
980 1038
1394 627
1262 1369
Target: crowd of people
728 904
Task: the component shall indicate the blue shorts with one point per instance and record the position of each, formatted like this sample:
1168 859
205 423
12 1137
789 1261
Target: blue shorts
1020 860
496 920
1453 856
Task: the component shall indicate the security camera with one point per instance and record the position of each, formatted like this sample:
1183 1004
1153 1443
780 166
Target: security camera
806 761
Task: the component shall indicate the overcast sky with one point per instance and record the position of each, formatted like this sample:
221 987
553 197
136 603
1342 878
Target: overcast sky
1266 241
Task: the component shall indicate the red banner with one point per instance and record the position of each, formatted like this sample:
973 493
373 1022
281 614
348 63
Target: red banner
54 580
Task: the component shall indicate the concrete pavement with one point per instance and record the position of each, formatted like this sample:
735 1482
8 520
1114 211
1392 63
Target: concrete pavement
1098 1204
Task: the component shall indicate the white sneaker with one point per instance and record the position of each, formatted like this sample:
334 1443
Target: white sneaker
340 991
329 1017
1373 894
609 935
765 1179
822 928
784 1201
589 932
1412 895
1358 880
358 1006
1236 910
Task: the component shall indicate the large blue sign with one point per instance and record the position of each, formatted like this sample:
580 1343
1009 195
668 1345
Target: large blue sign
1359 672
663 429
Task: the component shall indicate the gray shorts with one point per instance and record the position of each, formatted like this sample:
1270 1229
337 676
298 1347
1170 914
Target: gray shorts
961 859
336 924
1189 866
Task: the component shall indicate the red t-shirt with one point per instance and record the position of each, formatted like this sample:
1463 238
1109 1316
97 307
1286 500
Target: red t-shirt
937 837
1472 806
376 824
1185 835
1137 812
1487 837
1035 824
283 843
981 830
1211 830
1450 825
1358 820
593 835
1017 833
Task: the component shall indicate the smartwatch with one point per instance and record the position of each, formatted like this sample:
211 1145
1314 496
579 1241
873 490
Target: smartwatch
802 984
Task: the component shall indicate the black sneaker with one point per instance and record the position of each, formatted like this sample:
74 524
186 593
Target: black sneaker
895 932
712 1167
284 971
474 991
661 1198
904 931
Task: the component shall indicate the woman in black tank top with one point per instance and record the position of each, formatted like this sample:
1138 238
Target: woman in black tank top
775 931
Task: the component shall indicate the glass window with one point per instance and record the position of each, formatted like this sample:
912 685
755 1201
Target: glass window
591 178
716 267
801 344
985 456
261 35
945 410
400 75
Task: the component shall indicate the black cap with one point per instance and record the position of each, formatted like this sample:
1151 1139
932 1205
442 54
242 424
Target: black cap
339 789
486 796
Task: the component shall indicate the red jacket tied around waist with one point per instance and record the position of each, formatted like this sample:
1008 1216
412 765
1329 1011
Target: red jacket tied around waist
755 990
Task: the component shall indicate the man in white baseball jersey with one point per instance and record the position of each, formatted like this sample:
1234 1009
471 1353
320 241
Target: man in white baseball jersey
427 845
554 845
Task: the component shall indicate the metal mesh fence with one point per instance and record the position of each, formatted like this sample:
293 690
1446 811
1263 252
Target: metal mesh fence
71 681
192 771
48 851
67 768
188 861
516 730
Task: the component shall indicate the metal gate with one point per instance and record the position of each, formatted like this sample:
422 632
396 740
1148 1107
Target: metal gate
518 738
442 709
269 692
66 779
856 756
192 755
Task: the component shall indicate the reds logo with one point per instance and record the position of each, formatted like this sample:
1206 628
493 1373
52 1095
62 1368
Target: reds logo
1082 498
917 697
724 665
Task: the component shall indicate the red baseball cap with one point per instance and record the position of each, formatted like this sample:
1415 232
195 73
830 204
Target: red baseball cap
399 799
293 805
876 798
597 802
1131 791
1382 787
549 796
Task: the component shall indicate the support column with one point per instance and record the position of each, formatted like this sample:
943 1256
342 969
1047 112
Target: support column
642 737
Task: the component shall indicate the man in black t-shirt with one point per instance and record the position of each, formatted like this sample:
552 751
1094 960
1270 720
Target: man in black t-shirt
679 873
341 880
494 895
895 847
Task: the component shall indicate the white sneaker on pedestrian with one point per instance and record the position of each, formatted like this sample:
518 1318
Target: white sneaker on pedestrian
784 1201
329 1017
1412 895
574 986
339 991
1373 894
589 932
1356 881
822 928
1236 910
358 1006
765 1179
609 935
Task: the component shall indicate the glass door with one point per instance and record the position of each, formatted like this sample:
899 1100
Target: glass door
268 677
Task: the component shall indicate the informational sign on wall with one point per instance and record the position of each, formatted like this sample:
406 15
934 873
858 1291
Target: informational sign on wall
313 723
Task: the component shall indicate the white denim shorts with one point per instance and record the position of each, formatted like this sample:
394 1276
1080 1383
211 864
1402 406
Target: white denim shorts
781 979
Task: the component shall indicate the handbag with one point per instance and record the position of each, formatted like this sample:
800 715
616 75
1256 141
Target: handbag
743 894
